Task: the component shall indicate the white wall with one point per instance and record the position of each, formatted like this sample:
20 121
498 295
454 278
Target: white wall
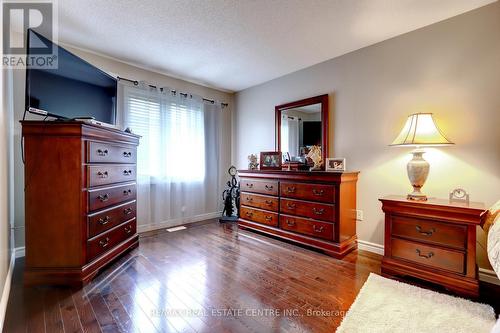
451 68
6 212
124 70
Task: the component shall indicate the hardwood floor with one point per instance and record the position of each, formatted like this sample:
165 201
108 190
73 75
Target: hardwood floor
207 278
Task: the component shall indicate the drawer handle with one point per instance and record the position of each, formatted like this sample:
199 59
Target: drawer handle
249 185
127 154
290 189
104 242
128 229
425 233
290 223
102 174
249 214
269 202
269 218
318 211
127 172
101 152
318 229
318 192
103 197
290 205
127 192
104 220
249 199
430 255
127 211
269 187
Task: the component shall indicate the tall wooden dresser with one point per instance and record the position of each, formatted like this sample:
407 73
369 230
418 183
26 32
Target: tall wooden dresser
80 199
316 209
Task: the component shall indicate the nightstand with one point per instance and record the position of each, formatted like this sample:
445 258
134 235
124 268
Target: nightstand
432 240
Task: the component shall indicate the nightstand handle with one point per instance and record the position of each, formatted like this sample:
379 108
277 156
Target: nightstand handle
431 254
425 233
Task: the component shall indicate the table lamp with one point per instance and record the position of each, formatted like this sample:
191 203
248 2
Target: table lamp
420 130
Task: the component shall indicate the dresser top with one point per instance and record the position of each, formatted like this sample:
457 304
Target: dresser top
77 128
434 202
301 175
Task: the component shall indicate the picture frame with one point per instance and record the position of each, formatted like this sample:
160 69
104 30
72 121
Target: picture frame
335 165
270 160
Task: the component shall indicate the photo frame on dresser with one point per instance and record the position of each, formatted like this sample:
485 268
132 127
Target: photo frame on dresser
335 164
270 160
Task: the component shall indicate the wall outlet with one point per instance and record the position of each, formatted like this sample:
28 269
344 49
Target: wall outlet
359 215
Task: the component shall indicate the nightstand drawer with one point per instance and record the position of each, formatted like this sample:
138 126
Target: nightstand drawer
260 201
428 255
430 231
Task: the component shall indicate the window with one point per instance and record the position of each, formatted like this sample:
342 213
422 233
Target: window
172 146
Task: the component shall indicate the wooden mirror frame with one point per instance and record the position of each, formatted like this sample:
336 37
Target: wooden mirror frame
321 99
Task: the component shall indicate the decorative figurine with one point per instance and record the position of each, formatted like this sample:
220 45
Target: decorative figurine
252 162
315 155
231 198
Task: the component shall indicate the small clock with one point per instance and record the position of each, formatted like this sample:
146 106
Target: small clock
460 195
232 170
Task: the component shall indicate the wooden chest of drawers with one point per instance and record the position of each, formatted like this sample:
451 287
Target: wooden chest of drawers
316 209
434 241
80 199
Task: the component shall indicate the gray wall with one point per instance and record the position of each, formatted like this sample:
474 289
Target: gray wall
451 68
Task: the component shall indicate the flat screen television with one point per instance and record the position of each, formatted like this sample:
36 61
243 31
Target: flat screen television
74 89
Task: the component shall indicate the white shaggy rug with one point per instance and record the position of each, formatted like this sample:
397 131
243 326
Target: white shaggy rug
385 305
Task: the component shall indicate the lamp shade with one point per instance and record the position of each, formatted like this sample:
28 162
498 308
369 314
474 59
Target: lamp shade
420 130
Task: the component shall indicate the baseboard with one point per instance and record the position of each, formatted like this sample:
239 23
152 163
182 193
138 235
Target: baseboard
20 251
370 247
489 276
6 289
176 222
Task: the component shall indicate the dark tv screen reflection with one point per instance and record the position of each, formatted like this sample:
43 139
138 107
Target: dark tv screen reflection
75 89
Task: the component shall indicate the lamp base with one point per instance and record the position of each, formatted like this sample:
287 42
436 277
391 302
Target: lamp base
418 170
416 197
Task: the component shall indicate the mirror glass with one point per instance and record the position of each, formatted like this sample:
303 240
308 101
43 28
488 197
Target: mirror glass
300 129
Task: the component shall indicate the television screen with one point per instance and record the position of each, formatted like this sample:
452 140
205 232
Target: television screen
311 133
75 89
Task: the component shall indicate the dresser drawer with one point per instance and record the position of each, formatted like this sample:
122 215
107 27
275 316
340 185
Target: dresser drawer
106 241
312 210
259 201
108 174
258 215
314 192
430 231
307 227
98 152
105 197
268 187
107 219
428 255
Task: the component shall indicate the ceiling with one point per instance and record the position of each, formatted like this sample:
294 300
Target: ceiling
235 44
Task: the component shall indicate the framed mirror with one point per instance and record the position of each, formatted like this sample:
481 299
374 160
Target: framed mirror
299 126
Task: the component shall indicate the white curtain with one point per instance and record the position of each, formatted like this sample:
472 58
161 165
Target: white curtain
178 155
290 135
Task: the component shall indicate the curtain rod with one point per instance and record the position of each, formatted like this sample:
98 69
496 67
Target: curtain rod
135 82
